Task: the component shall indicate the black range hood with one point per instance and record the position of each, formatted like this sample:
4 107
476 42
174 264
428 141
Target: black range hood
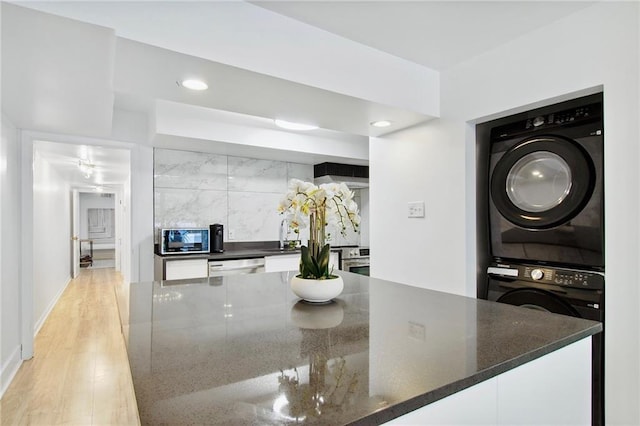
353 176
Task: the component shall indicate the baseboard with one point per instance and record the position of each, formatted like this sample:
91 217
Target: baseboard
9 370
38 325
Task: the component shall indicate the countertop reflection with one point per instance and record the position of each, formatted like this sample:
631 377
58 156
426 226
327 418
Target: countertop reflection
245 350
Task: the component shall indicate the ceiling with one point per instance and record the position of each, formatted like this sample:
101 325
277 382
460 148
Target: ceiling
258 63
144 72
110 166
436 34
158 42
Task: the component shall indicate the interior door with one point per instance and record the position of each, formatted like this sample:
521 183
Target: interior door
75 231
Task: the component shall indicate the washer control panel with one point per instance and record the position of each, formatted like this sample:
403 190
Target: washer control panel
571 278
546 119
561 117
549 275
543 275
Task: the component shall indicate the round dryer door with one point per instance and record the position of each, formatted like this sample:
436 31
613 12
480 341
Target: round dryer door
542 182
541 300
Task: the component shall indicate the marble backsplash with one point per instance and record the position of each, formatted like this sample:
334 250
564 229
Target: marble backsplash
196 189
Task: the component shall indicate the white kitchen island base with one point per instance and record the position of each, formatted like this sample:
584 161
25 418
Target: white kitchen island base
552 390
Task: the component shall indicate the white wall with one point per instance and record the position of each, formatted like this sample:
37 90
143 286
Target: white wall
120 217
435 163
135 203
364 215
129 126
73 95
419 164
138 209
51 232
9 254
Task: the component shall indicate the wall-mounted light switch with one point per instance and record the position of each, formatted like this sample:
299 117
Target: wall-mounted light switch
416 209
232 234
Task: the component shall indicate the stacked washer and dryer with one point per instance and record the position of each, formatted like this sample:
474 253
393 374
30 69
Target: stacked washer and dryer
545 216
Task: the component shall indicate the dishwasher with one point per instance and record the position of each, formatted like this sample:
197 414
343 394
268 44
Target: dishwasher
221 268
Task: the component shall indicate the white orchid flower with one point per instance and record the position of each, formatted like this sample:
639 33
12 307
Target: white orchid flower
335 201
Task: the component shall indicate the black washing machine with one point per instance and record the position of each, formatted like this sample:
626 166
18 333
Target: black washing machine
562 291
546 180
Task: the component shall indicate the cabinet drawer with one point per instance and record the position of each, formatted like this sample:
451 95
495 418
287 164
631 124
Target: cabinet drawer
291 262
186 268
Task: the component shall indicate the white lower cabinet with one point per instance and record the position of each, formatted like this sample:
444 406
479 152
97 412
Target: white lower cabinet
552 390
285 262
473 406
181 269
291 262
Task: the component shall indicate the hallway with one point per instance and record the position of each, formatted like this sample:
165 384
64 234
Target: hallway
80 372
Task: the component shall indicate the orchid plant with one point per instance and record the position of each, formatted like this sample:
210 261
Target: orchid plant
316 207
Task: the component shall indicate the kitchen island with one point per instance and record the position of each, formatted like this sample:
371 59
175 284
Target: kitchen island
245 350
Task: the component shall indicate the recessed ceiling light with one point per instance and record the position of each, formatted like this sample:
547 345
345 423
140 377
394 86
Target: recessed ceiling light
381 123
294 126
194 84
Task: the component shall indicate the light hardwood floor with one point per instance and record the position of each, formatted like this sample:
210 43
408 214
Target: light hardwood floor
80 373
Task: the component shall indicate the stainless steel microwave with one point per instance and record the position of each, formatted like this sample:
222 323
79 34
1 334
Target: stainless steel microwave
181 241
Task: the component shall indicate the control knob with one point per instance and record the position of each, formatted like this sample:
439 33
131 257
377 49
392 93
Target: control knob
538 121
537 274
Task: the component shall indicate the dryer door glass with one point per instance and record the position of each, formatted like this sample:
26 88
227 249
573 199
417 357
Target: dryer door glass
538 181
542 182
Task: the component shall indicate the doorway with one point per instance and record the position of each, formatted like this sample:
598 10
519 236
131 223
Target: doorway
55 174
97 230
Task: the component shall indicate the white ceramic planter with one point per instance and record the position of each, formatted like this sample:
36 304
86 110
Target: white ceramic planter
317 291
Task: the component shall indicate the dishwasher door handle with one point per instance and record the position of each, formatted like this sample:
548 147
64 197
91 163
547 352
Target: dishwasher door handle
227 268
236 267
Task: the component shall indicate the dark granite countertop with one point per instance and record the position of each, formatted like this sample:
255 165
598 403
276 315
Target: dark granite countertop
230 254
244 350
238 251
